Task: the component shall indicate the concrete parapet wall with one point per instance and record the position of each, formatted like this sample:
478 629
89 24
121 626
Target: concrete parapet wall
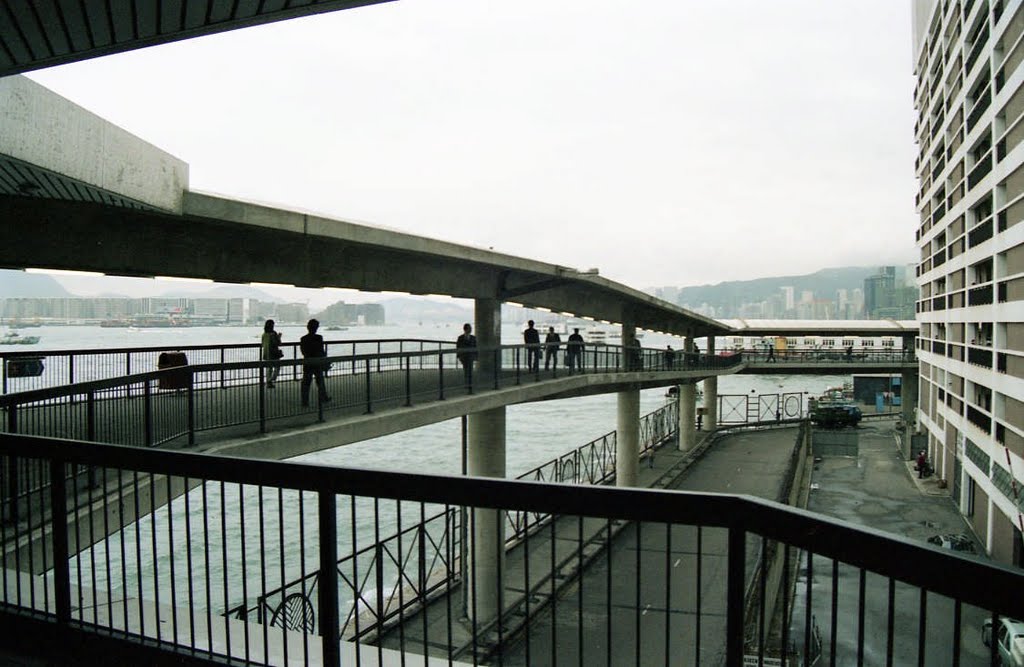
39 127
842 442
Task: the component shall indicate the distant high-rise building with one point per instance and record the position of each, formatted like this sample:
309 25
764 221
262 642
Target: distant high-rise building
878 291
788 298
970 165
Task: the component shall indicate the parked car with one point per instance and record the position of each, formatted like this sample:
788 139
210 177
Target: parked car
1009 640
953 542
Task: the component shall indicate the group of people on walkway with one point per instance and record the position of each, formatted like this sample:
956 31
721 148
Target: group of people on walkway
314 353
552 345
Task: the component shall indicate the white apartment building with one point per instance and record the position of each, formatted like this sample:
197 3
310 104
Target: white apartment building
970 133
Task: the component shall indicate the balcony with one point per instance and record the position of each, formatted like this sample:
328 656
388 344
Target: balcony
979 357
980 296
980 233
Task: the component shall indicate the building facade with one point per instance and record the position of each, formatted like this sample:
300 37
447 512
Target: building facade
970 133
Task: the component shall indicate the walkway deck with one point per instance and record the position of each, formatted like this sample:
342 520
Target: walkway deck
650 617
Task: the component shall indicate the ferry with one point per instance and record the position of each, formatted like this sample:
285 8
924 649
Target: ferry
835 407
15 338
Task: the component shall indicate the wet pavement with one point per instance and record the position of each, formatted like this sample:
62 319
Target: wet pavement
880 489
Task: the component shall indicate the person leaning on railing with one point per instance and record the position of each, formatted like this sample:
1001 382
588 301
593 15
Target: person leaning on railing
315 364
270 350
465 346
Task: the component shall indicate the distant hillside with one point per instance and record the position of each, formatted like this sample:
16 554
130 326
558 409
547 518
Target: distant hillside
414 311
15 284
734 293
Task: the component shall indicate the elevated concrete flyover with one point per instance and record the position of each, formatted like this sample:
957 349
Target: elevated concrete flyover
79 193
34 35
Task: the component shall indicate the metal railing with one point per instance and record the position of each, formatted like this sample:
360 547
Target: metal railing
433 546
158 586
19 372
158 407
882 356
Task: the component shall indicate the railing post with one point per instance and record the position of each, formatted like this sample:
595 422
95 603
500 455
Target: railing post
369 393
378 356
378 553
223 385
408 381
328 590
263 400
12 468
735 583
59 524
147 412
422 570
440 374
71 369
90 416
517 365
191 409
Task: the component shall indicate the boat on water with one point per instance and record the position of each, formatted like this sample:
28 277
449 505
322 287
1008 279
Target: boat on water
15 338
835 407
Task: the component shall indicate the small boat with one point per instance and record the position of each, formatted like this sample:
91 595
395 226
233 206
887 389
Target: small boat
15 338
336 328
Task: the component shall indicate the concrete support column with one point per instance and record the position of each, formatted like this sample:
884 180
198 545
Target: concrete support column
486 458
908 401
487 319
687 416
627 438
711 391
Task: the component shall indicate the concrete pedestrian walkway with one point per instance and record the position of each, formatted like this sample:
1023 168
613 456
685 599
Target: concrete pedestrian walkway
636 601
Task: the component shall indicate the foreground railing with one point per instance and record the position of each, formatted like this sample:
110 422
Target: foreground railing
247 526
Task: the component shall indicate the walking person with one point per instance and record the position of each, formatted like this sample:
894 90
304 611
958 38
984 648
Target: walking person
574 351
465 346
270 350
922 461
551 344
532 339
670 358
315 363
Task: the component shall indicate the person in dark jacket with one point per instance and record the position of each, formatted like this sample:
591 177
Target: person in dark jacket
551 344
532 339
315 364
574 351
465 346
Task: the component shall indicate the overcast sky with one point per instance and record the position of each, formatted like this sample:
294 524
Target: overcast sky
668 143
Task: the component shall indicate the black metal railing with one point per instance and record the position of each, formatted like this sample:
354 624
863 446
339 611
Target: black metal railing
980 296
427 557
247 526
179 403
980 233
883 356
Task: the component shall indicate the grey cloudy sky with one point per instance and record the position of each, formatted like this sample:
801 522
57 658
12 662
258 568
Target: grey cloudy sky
667 143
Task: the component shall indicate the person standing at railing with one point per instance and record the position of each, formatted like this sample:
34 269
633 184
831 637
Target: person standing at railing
551 344
271 351
670 358
574 351
315 364
465 346
532 339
